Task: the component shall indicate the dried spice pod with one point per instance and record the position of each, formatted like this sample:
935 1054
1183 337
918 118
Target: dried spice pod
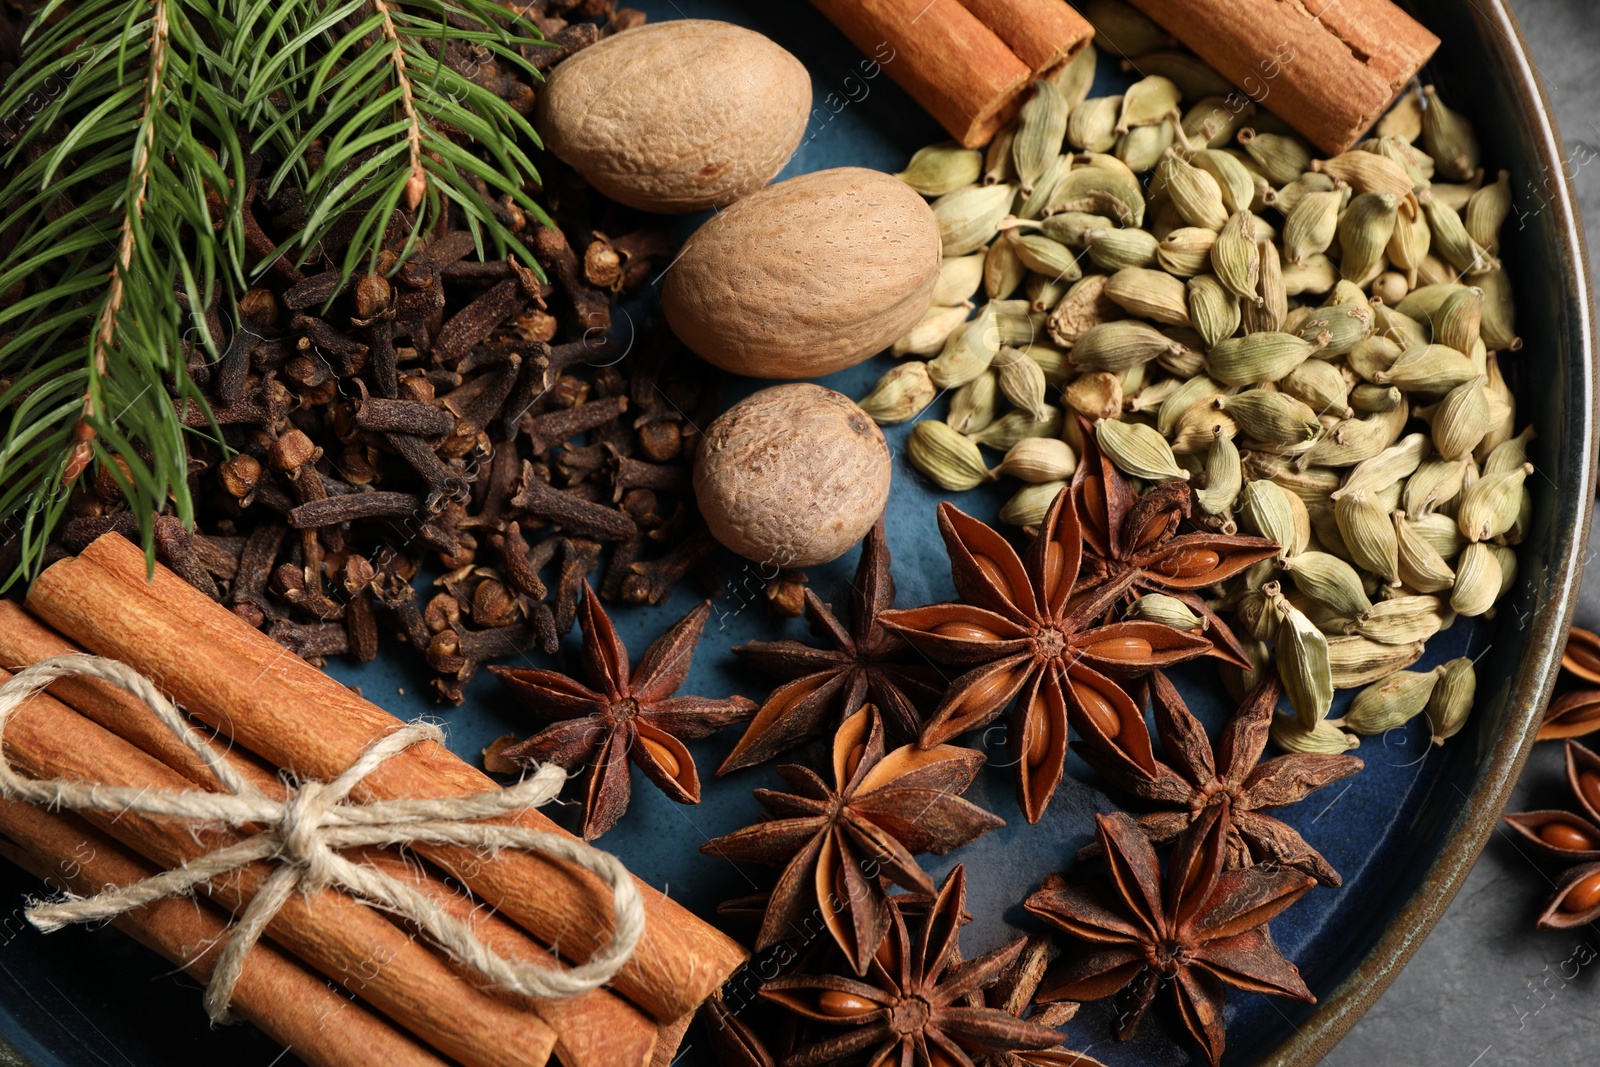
1571 839
884 806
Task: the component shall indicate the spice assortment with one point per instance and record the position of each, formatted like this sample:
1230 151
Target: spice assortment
1240 371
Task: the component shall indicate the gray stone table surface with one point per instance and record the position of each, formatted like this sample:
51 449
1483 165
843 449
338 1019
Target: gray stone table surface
1486 988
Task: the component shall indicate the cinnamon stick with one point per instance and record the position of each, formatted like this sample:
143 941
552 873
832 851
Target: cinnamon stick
1330 70
291 1004
594 1029
943 55
346 940
240 682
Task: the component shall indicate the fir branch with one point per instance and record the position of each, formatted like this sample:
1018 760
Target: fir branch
396 123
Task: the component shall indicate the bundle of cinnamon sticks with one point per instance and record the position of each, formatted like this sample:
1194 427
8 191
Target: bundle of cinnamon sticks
338 980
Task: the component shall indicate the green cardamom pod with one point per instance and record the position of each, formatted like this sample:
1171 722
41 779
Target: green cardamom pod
974 405
1394 463
1041 130
1364 232
931 331
1114 250
1195 193
966 353
1281 158
1478 580
1050 258
1350 442
1235 258
970 217
1257 357
1147 101
997 166
1323 739
1356 661
1492 505
1233 178
959 278
1401 620
1434 485
1142 147
1367 172
1224 476
1075 77
1044 293
1100 191
1213 310
1316 275
1461 420
1186 251
1029 505
1016 426
1404 119
1421 566
942 168
1448 138
1451 240
1370 398
1285 199
1339 329
1368 533
1434 369
1150 294
1003 270
1417 164
1119 346
900 394
1038 460
1268 510
1409 246
1486 213
1270 310
1329 580
1167 611
1036 200
1276 421
1498 324
1321 385
1509 454
1072 228
1507 558
1022 382
1092 125
1391 703
1451 700
1459 318
950 460
1310 228
1138 451
1303 664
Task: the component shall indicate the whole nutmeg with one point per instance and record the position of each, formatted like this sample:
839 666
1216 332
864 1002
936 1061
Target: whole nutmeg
806 277
792 476
677 116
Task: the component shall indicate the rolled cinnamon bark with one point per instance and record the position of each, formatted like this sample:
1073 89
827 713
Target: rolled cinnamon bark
594 1029
268 700
292 1005
344 939
957 68
1329 73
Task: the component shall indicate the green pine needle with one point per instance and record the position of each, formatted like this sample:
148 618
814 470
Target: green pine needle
124 191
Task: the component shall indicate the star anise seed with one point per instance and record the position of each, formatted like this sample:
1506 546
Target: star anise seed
830 684
1570 838
912 1008
1577 711
1025 628
1013 994
1200 931
839 841
1132 544
1232 774
626 716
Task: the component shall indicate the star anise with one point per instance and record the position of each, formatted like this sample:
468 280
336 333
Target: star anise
1577 711
1232 775
1570 838
1201 932
1023 627
830 684
626 716
839 841
1013 994
912 1008
1132 544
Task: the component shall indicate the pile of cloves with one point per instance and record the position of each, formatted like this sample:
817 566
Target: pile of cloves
441 413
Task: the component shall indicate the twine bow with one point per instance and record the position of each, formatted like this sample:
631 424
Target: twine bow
305 834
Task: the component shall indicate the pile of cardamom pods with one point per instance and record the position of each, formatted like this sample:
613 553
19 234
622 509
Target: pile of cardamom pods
1313 344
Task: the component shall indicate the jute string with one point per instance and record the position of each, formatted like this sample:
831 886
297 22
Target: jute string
304 834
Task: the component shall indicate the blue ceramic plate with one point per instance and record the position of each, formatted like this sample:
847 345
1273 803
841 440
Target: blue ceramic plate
1403 832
